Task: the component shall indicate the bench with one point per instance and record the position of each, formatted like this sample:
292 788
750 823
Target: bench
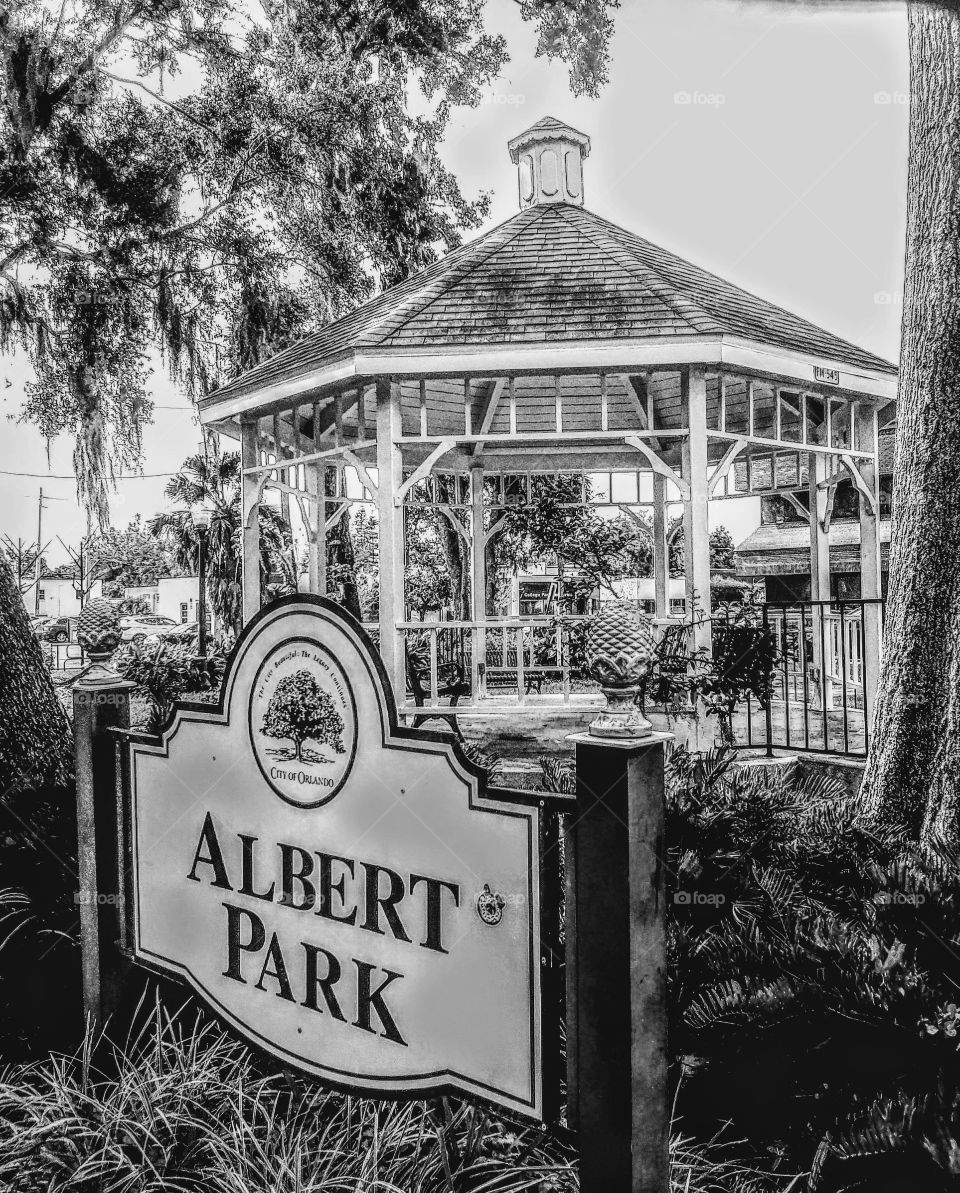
452 683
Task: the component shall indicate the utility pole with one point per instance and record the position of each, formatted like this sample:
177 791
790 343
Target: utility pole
36 564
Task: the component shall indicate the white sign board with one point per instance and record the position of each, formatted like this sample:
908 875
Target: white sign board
336 887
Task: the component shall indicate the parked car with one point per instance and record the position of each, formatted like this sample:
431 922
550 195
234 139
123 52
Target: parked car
144 626
60 629
185 634
39 624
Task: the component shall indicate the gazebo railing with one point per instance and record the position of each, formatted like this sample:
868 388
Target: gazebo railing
476 659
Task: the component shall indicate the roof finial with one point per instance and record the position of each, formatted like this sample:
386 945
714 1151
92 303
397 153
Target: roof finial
550 156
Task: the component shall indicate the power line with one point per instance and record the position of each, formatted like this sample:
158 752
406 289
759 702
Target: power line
72 476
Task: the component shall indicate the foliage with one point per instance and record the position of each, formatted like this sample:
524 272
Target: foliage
723 553
40 997
740 664
301 710
125 558
589 551
211 478
743 657
190 1110
36 745
184 1107
215 179
168 673
813 964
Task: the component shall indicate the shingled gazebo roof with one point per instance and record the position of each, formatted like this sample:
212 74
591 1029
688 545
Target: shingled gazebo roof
554 274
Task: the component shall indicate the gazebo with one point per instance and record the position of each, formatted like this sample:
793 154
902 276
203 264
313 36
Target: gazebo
557 343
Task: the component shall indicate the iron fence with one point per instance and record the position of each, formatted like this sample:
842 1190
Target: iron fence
822 680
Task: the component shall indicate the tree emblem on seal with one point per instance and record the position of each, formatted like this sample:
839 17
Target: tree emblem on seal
300 711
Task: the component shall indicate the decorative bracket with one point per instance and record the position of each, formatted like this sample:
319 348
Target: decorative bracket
424 469
726 463
857 477
658 465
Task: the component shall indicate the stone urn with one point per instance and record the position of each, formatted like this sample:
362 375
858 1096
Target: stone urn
619 647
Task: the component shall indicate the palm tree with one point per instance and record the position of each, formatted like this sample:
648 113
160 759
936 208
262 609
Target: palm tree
212 478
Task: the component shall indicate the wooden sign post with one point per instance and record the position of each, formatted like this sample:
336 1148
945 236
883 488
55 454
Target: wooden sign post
617 966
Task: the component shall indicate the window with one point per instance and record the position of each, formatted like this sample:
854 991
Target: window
41 594
184 612
678 605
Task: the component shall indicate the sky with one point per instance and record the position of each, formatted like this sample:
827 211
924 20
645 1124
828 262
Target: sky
766 143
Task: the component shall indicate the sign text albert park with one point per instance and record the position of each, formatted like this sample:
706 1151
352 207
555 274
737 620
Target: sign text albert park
338 888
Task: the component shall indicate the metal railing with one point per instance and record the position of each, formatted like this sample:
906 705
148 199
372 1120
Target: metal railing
823 680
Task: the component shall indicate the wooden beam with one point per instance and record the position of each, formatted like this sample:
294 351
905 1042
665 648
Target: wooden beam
424 469
250 503
696 516
794 502
390 534
489 408
661 549
369 484
726 463
658 465
312 457
865 489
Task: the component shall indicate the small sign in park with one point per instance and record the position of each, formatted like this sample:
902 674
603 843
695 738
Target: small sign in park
336 887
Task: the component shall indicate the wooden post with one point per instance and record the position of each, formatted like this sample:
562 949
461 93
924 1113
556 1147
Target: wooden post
250 511
696 509
478 578
696 533
818 470
316 484
661 550
389 480
101 702
618 1101
865 433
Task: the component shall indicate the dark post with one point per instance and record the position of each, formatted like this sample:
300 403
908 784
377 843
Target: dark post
202 595
616 966
101 703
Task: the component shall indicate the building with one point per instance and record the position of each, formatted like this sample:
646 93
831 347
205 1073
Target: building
176 597
555 343
778 551
57 593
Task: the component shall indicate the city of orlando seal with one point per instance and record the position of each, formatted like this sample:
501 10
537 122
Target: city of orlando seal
303 722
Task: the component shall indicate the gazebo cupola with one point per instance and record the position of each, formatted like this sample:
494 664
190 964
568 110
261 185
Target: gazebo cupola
555 343
550 156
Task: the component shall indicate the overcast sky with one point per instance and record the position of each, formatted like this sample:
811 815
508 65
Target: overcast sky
767 144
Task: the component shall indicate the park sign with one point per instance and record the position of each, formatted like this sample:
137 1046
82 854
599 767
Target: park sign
338 888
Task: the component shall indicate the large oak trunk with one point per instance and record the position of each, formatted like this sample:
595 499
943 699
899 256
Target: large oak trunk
913 772
35 736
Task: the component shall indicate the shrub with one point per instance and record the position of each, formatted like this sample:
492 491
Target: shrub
167 674
814 969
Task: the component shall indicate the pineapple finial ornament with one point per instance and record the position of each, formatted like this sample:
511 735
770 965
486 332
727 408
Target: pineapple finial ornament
619 645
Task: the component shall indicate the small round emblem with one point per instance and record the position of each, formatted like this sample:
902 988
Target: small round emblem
303 722
490 905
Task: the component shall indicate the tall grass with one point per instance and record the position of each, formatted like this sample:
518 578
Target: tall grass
186 1108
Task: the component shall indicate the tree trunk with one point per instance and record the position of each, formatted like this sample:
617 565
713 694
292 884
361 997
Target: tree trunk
36 744
913 772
